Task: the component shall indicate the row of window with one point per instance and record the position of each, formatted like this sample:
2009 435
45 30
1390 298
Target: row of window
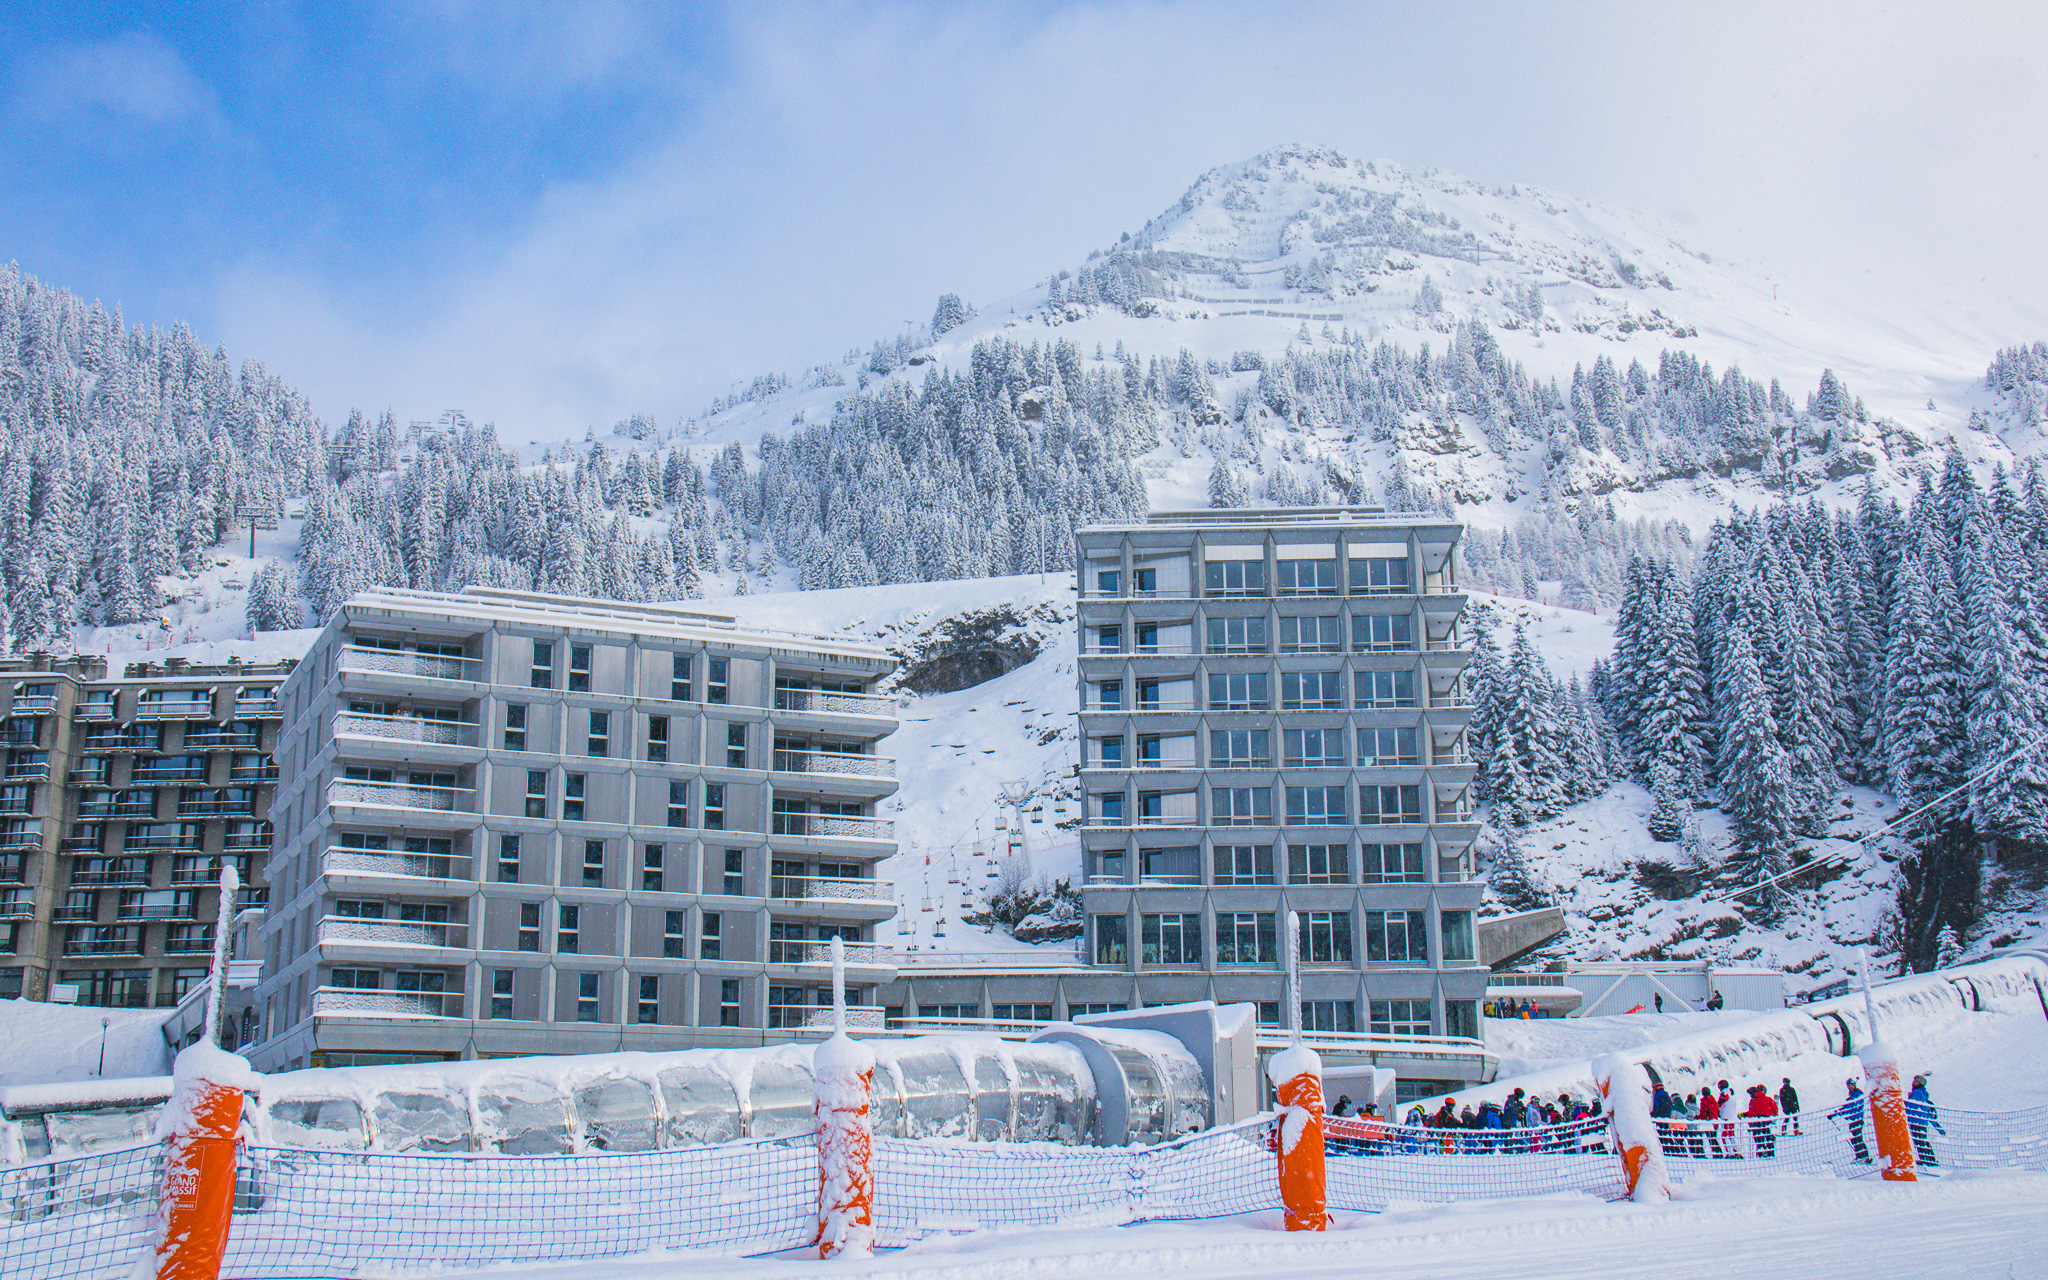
1253 749
1253 807
1234 865
1318 633
682 686
1253 691
1377 575
1251 937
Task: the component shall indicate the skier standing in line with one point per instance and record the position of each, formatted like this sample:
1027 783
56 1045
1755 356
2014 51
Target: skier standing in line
1788 1102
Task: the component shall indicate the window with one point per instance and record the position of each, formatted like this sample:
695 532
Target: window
1382 632
1312 691
714 806
1383 689
1243 863
543 664
1318 864
735 873
359 909
1380 575
1400 1017
515 726
593 864
1109 639
501 993
1166 808
508 859
1461 1018
1380 806
1396 937
1109 751
1109 582
1307 578
1234 578
1145 582
1238 691
568 934
599 743
572 798
729 1002
529 926
657 739
735 746
1311 635
1314 748
678 802
1237 635
1240 806
1181 864
355 979
536 793
651 856
586 997
1328 1015
1457 936
1315 807
679 677
716 680
1112 940
1326 937
579 668
1393 863
1109 864
788 1006
648 1008
672 936
1240 748
1389 746
708 936
1246 937
1021 1012
1109 694
1172 938
1083 1009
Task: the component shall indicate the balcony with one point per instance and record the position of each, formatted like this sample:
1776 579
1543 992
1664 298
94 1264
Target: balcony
1140 651
208 874
808 1017
1146 708
217 808
332 1001
93 711
405 663
256 709
159 911
22 771
126 941
16 804
29 839
13 908
146 776
118 876
239 840
836 763
351 931
181 709
445 733
215 740
180 843
100 810
400 795
195 944
870 955
253 773
123 740
835 826
75 915
13 867
826 702
829 889
377 862
33 705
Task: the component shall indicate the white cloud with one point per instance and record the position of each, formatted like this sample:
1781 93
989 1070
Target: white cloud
134 75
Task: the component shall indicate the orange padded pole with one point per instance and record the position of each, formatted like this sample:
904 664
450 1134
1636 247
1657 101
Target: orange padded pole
1888 1112
198 1195
843 1071
1297 1076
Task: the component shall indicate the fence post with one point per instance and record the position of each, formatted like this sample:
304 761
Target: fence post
1625 1090
843 1071
1297 1076
1887 1099
198 1194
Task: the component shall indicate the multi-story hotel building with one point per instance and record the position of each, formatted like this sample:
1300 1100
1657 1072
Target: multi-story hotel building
515 823
120 800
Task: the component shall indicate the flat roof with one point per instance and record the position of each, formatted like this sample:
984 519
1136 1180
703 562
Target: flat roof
1281 517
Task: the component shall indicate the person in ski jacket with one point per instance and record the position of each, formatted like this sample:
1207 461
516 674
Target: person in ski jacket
1343 1106
1761 1111
1660 1103
1710 1111
1852 1111
1788 1103
1920 1116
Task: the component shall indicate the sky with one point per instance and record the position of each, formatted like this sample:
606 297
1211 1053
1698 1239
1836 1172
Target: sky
553 216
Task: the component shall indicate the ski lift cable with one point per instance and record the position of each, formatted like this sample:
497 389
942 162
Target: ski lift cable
1842 856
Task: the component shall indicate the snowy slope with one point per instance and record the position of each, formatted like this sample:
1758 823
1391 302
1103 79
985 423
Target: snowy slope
51 1042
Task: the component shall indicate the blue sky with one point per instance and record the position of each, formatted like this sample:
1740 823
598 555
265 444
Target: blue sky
552 216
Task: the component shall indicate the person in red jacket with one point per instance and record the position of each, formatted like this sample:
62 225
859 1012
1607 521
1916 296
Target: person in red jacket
1710 1111
1761 1111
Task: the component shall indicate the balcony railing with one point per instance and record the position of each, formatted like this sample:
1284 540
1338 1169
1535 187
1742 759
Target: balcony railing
124 876
201 709
13 867
207 874
93 711
143 777
842 826
841 763
253 773
36 772
391 1004
16 804
29 839
377 862
223 738
1139 651
159 911
831 703
406 663
400 795
21 735
96 810
828 888
451 733
17 909
1146 708
190 945
180 843
393 933
236 840
122 740
75 915
255 708
33 704
129 943
217 808
806 1017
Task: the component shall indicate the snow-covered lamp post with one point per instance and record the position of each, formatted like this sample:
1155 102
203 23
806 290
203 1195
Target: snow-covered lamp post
843 1071
1297 1076
1887 1098
197 1200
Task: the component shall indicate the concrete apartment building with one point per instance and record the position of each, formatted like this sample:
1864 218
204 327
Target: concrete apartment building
1272 719
120 799
514 823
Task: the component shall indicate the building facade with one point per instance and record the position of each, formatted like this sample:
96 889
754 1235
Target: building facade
121 799
514 823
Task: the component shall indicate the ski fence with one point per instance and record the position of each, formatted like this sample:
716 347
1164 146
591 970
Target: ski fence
308 1214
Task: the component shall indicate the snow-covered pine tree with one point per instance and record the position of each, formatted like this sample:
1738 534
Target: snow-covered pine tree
1755 784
